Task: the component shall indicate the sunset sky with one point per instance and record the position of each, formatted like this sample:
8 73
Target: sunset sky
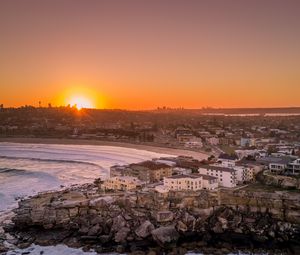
147 53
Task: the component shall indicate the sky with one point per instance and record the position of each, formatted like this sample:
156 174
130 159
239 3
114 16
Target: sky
141 54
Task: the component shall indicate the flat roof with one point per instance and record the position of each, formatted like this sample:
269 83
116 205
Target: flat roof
208 177
152 165
181 176
275 160
193 176
217 168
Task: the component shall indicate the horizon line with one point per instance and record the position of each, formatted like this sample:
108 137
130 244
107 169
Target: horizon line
157 108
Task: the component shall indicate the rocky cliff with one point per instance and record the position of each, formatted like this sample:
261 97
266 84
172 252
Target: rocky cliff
136 220
286 182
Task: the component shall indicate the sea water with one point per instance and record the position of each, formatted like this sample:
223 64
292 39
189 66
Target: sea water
26 169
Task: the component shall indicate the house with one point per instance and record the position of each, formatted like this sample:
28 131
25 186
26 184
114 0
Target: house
121 183
246 153
226 176
247 142
253 164
277 165
228 160
294 167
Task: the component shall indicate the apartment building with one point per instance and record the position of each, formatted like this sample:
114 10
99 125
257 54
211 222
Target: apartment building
184 182
228 160
149 171
244 173
226 176
122 183
191 182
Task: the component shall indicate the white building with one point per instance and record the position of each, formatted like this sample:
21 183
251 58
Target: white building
244 173
184 182
279 165
121 183
191 182
228 160
245 153
294 167
210 182
226 176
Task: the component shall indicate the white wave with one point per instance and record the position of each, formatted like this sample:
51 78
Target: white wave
50 250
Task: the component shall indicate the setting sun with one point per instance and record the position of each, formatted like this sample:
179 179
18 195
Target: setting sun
81 102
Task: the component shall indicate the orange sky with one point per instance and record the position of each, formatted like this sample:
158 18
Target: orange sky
143 54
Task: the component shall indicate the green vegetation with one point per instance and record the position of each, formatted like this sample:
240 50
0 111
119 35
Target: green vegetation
266 188
228 149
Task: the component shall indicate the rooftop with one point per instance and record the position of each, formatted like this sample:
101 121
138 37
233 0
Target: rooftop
193 176
182 176
152 165
218 168
276 160
229 157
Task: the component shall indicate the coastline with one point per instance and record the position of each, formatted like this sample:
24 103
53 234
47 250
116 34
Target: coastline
151 148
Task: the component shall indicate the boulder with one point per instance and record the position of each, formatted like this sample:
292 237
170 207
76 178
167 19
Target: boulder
118 223
165 235
95 230
121 235
144 230
181 227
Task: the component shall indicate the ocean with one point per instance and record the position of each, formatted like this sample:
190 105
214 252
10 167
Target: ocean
26 169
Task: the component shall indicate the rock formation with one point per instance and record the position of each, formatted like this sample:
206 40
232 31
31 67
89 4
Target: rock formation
135 220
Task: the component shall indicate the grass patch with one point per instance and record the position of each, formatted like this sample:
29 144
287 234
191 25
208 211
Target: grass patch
267 188
228 149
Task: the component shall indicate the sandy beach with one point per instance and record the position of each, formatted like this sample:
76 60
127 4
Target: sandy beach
157 149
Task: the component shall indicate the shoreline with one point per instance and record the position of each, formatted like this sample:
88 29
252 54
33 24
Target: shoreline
151 148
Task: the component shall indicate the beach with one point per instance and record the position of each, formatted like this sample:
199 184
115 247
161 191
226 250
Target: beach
157 149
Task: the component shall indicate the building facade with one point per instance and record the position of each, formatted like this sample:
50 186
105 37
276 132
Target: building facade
121 183
184 182
226 176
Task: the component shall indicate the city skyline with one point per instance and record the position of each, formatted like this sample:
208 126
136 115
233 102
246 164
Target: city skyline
139 55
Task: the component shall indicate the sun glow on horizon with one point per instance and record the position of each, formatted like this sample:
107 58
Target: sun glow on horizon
80 102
